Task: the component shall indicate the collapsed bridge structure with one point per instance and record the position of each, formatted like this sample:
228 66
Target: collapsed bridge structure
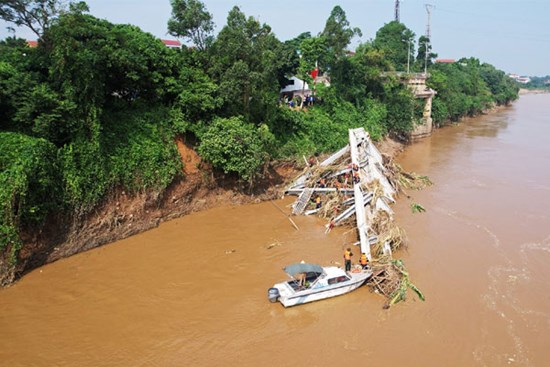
357 176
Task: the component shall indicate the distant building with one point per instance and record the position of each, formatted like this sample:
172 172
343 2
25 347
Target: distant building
296 87
172 43
445 61
520 79
32 43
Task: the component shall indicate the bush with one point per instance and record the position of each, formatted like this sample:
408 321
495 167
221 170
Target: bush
233 146
140 149
29 184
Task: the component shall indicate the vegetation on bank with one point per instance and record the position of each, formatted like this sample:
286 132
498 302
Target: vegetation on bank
538 83
96 106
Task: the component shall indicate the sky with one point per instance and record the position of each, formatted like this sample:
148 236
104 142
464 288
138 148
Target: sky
512 35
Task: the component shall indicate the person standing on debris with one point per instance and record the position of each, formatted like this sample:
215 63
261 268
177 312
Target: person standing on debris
322 183
337 185
346 180
318 202
347 258
364 261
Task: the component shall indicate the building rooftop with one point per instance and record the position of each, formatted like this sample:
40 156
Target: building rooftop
171 43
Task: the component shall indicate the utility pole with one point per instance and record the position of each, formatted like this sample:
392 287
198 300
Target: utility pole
409 57
428 37
397 10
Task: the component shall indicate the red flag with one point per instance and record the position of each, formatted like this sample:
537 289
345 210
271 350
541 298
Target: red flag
314 73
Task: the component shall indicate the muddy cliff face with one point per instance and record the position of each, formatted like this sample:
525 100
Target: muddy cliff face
122 215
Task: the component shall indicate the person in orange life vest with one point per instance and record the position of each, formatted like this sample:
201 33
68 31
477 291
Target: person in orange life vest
338 186
318 202
347 258
364 261
322 183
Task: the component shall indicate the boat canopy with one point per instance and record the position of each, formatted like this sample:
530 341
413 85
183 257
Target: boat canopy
303 268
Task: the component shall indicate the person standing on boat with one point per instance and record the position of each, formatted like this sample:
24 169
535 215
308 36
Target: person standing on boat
364 261
347 258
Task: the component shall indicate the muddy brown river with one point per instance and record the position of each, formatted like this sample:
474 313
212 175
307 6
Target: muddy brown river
193 292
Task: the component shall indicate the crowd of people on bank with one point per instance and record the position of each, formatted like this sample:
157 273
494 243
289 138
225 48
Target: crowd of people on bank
293 101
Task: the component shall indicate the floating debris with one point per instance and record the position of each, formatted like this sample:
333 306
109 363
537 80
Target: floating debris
407 180
392 281
274 244
227 252
417 208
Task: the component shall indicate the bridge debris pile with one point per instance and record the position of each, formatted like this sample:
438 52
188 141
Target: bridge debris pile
356 186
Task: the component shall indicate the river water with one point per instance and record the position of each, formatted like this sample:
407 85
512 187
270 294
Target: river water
193 292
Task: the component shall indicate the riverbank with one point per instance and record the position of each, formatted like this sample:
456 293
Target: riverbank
123 215
523 91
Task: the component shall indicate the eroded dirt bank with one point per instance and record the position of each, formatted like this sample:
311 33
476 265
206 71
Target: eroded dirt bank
122 215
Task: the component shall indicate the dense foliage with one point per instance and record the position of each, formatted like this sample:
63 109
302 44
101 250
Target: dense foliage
467 87
97 106
538 82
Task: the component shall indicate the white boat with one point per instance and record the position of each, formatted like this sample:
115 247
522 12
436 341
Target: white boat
312 282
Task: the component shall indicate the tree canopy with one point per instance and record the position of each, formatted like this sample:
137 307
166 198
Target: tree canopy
395 40
338 34
37 15
192 21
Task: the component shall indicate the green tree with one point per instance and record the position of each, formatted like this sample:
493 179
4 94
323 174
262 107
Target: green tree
394 40
190 20
421 61
96 64
196 93
9 77
37 15
233 146
400 104
248 62
44 113
501 86
338 34
359 77
29 183
467 87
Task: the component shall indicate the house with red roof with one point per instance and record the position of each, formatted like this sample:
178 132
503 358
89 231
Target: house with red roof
445 61
172 43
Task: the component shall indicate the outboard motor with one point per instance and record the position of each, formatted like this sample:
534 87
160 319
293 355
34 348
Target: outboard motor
273 294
